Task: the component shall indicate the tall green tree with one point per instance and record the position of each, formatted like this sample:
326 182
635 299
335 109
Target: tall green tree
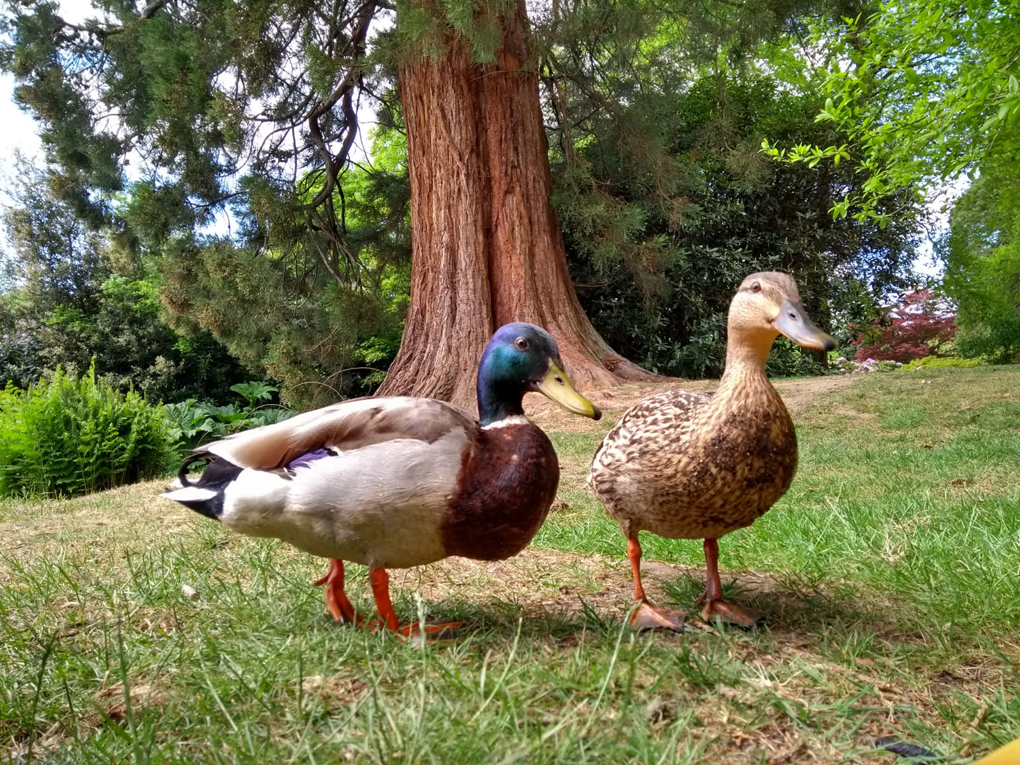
255 106
667 201
982 256
924 91
65 306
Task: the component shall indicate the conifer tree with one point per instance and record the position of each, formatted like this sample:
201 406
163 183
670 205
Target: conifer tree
254 107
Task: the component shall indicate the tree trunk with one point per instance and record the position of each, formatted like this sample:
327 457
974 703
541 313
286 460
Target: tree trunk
486 244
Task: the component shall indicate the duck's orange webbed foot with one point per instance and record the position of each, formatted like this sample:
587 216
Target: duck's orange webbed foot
380 581
649 617
646 616
729 613
715 608
336 599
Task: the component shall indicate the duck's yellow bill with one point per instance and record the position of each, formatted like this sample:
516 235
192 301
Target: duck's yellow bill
556 386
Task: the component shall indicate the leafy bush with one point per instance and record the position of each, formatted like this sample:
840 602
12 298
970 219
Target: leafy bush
254 391
19 357
916 328
940 362
65 436
666 203
193 423
982 256
789 360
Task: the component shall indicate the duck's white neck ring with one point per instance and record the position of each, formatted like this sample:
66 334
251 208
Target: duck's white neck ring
514 419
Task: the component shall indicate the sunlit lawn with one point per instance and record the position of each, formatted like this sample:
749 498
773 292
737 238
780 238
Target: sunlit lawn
890 572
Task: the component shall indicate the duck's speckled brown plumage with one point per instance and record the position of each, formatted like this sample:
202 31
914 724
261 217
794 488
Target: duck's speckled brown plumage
693 466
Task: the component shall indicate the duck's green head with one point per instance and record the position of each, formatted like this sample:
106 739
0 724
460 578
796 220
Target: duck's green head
520 358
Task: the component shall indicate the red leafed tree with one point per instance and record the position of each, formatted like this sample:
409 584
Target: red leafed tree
911 330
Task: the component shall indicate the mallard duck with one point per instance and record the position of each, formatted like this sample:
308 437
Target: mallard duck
688 465
398 482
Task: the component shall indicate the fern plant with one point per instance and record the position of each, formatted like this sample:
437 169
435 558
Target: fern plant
67 436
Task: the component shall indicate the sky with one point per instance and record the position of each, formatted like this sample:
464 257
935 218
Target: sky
17 129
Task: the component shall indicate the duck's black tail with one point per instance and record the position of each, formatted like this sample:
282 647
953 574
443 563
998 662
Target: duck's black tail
206 495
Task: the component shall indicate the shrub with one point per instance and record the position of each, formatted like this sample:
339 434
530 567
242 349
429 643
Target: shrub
196 422
846 366
19 357
65 436
939 362
916 328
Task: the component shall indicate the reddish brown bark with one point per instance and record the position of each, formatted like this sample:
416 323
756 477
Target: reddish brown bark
487 248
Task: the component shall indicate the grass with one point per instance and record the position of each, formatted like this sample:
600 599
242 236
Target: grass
889 572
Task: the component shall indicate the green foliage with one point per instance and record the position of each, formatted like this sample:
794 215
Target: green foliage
253 392
247 113
68 307
982 254
241 112
281 312
940 362
667 204
425 30
66 436
193 423
123 331
924 91
19 354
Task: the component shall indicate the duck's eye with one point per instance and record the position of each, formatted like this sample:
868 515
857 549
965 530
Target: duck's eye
521 343
756 287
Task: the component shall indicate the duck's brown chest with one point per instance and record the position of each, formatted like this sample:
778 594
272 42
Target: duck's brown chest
506 488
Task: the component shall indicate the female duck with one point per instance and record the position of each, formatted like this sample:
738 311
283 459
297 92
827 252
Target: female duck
398 482
692 466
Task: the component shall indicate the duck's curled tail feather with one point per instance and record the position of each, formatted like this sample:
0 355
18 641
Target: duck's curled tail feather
206 495
182 474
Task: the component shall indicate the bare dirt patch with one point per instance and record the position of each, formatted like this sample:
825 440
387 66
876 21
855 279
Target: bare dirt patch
336 691
800 394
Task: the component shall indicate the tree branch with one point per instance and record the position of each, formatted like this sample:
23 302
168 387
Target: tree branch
103 32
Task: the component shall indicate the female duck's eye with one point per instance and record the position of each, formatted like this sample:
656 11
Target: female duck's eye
521 344
756 287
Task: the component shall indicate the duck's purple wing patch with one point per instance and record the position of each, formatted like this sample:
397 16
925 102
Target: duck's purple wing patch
305 460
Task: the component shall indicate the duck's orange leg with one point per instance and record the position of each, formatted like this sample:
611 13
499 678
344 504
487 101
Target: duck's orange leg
646 616
380 581
715 608
336 598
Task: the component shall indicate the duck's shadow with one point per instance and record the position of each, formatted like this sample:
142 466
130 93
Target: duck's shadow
564 598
